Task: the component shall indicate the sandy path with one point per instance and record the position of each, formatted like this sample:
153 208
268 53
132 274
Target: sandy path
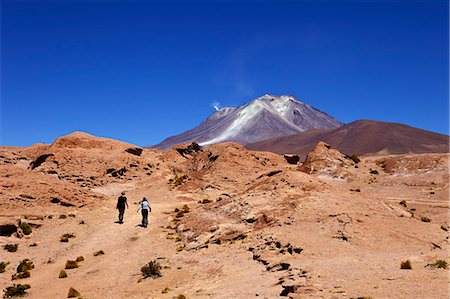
127 248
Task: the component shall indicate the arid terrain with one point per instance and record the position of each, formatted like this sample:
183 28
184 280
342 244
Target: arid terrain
226 222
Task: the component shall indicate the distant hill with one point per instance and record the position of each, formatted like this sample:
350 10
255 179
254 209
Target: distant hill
361 137
266 117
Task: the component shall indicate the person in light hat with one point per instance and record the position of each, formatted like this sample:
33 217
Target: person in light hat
145 208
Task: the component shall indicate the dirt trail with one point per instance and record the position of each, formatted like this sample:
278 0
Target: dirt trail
127 248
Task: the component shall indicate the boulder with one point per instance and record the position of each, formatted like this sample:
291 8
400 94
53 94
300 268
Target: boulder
7 229
292 159
137 151
73 293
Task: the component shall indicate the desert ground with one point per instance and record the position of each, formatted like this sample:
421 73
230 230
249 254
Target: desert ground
226 222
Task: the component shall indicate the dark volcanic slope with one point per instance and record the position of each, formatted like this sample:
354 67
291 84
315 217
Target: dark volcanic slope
360 137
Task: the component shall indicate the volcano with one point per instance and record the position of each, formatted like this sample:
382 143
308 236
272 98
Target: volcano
263 118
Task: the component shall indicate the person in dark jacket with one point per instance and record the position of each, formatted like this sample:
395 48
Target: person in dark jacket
121 204
144 206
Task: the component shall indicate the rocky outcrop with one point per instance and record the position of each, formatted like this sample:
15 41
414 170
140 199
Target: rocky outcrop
190 149
324 159
39 160
292 159
137 151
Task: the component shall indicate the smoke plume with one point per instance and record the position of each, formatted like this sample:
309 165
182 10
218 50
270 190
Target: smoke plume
216 105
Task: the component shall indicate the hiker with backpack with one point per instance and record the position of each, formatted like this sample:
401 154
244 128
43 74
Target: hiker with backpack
121 203
145 208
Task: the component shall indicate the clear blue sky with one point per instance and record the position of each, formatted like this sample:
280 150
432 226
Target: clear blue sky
143 71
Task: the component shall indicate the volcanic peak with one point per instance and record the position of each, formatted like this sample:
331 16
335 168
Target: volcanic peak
263 118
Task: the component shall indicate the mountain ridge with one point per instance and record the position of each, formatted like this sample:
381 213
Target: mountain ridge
362 137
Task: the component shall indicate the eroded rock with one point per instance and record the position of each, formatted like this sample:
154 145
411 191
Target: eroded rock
137 151
292 159
324 159
39 160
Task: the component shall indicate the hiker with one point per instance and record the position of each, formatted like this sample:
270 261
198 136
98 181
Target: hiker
121 203
145 207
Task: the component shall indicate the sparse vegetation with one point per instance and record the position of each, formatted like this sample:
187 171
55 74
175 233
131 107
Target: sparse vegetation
3 266
26 228
82 222
177 180
23 270
440 264
100 252
181 297
66 237
72 215
71 264
152 269
355 190
373 171
403 203
62 274
444 228
425 219
11 247
406 265
80 259
25 265
180 212
33 244
21 275
62 216
73 293
16 290
165 290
